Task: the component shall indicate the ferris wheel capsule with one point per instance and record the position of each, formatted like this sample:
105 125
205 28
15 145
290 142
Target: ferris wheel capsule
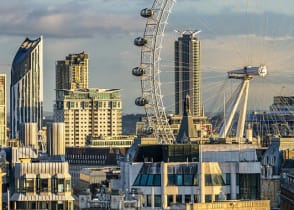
140 101
140 41
146 13
147 130
138 71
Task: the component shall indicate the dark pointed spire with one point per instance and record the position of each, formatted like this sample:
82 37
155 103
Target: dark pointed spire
187 130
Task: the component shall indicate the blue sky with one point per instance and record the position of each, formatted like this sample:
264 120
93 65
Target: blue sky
235 33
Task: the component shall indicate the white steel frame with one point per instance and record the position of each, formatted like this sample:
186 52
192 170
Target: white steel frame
150 62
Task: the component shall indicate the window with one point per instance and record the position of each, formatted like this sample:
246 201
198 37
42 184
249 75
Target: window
170 199
208 198
43 185
196 199
179 198
150 180
228 178
171 179
29 185
60 185
157 180
67 185
214 180
187 198
157 200
179 180
149 200
143 180
188 180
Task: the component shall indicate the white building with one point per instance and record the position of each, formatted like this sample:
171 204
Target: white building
162 175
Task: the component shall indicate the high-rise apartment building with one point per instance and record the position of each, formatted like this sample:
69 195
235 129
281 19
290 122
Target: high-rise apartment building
187 73
88 112
3 110
72 73
26 88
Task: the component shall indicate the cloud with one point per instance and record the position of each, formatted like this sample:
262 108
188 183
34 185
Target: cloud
69 20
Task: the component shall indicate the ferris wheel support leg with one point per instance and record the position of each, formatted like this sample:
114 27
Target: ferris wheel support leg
228 122
243 110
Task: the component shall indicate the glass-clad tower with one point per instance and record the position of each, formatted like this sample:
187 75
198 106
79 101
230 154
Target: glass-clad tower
26 88
187 73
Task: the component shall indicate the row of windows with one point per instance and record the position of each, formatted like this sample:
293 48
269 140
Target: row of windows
186 198
45 185
181 180
87 162
148 180
86 157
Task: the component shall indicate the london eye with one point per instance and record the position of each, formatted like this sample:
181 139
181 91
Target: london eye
150 70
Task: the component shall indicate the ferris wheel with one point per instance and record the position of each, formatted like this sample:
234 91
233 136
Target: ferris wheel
149 70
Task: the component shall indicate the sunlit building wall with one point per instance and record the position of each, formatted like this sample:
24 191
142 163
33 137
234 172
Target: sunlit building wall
187 73
91 112
3 110
72 73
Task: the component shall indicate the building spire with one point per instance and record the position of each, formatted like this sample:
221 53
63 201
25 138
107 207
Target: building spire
187 130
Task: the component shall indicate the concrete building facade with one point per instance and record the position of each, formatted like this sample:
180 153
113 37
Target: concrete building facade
26 88
89 112
174 175
187 73
56 139
42 185
3 109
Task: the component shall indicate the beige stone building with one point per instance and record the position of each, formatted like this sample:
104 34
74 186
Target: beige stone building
3 109
89 112
231 205
42 185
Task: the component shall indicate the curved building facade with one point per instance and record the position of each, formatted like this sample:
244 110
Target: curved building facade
26 89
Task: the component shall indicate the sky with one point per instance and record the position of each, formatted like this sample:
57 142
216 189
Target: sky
235 33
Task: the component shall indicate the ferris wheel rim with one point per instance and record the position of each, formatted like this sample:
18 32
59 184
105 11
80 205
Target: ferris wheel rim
152 96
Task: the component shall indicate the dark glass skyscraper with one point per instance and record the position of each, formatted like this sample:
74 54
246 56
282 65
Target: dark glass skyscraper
26 89
187 73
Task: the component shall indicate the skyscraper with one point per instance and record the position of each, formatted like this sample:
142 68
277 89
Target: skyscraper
187 72
72 73
26 88
3 109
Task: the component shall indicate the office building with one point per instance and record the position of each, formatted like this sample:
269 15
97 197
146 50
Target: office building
72 73
187 73
42 185
3 109
29 135
91 157
162 175
89 112
26 88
